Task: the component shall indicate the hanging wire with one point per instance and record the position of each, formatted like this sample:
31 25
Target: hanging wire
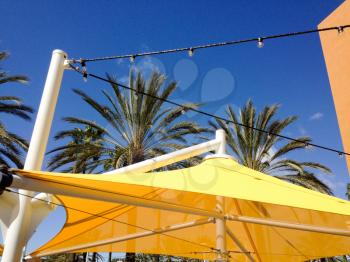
190 50
227 121
109 219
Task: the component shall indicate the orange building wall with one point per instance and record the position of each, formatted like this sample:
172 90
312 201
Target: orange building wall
336 50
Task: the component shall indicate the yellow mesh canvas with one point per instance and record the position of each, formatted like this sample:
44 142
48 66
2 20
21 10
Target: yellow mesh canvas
246 192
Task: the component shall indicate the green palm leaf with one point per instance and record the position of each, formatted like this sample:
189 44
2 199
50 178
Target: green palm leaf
139 127
268 153
12 146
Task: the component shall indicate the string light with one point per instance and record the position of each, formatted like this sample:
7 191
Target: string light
340 29
83 64
85 76
260 42
190 52
183 111
307 145
341 155
132 59
84 69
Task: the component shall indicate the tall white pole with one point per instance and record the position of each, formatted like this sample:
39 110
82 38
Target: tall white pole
17 234
220 206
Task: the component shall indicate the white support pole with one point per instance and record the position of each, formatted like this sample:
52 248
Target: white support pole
220 136
289 225
17 234
132 236
170 158
113 197
220 206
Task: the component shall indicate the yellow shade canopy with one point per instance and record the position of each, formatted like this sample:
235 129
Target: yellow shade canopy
101 226
1 249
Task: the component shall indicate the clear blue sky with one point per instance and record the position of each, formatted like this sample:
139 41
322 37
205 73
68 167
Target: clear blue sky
290 71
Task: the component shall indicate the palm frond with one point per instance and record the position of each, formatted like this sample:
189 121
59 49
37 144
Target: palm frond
138 127
265 151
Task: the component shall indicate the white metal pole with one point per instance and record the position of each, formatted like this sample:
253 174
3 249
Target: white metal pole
220 206
17 234
221 136
288 225
113 197
168 159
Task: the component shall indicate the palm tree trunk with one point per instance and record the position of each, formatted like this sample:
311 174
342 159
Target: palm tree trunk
130 257
71 258
94 256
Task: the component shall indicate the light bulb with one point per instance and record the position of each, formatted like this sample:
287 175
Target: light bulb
190 52
260 42
83 65
340 155
183 111
340 29
85 76
307 146
132 59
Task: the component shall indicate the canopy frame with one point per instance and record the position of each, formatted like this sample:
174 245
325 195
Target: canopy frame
218 144
17 232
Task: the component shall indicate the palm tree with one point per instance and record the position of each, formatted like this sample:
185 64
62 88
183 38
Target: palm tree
348 191
139 127
268 153
12 145
80 153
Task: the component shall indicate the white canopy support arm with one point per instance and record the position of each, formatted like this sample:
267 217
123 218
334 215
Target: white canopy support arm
9 210
42 206
87 193
213 145
35 185
289 225
221 244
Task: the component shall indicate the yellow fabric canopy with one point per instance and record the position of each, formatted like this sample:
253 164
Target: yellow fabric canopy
1 249
246 193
